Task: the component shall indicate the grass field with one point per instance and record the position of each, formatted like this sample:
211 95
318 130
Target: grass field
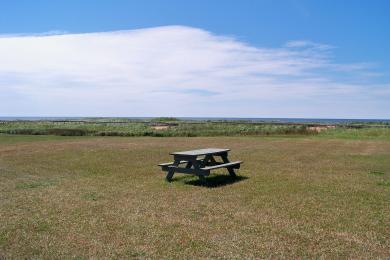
105 197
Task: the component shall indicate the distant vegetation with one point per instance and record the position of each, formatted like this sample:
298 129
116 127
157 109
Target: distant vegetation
358 133
136 128
169 127
164 119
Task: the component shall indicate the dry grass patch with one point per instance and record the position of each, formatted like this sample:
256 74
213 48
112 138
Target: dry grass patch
106 198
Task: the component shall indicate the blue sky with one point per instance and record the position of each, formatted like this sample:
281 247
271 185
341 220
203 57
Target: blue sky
287 58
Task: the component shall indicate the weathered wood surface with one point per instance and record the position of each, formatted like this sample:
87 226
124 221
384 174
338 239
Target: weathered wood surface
234 165
170 163
201 152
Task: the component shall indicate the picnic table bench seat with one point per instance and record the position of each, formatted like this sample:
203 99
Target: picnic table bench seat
171 163
234 165
200 162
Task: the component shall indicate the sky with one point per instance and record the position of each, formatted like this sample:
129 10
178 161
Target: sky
291 58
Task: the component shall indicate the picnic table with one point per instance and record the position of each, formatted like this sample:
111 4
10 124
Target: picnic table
199 162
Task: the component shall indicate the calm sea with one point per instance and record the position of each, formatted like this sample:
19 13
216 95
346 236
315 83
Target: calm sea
279 120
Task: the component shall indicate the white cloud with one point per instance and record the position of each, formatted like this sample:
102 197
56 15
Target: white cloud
179 71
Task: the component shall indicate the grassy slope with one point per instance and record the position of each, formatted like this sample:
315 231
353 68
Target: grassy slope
133 128
357 134
105 197
185 128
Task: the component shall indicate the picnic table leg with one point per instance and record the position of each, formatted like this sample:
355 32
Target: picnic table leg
189 165
197 165
171 171
212 160
226 160
208 160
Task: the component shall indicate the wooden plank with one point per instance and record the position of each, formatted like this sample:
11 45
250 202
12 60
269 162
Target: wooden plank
225 159
223 165
201 152
171 163
171 171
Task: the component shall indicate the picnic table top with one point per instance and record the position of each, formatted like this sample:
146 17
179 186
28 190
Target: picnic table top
205 151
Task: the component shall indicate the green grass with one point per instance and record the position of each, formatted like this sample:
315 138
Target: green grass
384 183
9 139
165 119
378 173
33 184
105 197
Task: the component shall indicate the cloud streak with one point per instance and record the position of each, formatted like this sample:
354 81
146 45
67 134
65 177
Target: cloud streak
180 71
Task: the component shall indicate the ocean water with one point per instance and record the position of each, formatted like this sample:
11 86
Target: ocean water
278 120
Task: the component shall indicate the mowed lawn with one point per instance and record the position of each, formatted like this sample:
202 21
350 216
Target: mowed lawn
83 197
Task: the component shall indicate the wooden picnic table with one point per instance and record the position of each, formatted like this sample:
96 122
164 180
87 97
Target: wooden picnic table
199 162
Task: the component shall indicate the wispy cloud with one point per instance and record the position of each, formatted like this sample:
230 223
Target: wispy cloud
183 71
200 92
307 44
48 33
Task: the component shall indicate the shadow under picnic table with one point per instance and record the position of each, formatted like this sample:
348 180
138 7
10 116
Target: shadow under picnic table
212 181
